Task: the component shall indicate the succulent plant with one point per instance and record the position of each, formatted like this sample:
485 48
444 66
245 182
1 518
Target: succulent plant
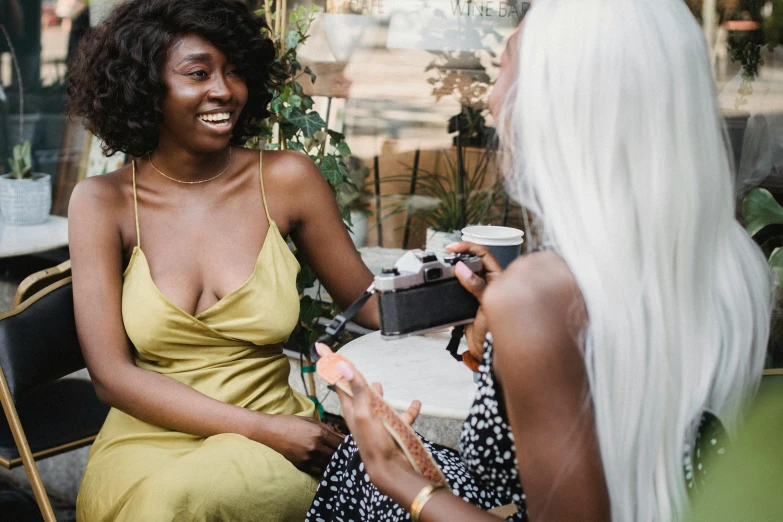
21 162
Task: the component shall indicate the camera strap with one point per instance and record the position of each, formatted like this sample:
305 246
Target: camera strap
456 337
335 329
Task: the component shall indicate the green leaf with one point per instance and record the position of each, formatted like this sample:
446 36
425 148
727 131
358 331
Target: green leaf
21 162
309 310
343 149
289 130
306 277
334 171
346 215
336 136
760 209
313 336
292 39
776 265
309 123
310 72
303 338
295 100
295 145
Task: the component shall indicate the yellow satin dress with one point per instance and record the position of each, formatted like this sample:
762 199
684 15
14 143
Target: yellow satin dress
232 352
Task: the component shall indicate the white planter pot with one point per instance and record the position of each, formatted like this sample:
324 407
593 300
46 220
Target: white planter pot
25 201
358 230
437 240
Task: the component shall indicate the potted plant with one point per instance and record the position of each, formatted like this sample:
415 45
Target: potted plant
747 34
444 219
25 197
354 196
763 217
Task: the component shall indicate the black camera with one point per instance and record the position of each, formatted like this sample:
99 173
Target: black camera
422 294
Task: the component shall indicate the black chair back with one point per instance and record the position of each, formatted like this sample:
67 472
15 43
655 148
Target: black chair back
38 341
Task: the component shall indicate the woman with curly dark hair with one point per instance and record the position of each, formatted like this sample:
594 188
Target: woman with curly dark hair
179 339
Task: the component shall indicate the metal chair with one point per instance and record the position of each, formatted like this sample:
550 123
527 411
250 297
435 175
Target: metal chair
46 415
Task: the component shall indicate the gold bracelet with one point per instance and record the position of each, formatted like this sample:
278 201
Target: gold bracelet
422 498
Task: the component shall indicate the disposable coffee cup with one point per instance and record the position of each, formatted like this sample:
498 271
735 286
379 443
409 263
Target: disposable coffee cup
505 243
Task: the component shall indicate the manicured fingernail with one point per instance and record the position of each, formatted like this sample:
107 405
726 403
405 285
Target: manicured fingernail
322 349
452 245
346 370
463 270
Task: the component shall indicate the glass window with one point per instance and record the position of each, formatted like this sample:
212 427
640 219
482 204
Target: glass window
43 35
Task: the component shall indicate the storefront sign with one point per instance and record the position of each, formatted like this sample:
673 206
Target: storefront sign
453 25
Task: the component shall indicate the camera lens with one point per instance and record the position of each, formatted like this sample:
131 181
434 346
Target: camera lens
432 274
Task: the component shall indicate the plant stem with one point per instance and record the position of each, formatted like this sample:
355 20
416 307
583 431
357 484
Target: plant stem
326 140
18 79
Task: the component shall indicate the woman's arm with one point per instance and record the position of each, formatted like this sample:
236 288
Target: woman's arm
319 232
386 464
96 259
536 314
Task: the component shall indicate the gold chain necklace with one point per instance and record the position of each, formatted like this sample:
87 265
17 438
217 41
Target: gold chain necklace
149 157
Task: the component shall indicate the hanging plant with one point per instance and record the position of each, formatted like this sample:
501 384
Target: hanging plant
295 125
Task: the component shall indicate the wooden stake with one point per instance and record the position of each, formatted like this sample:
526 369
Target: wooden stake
277 17
268 14
282 26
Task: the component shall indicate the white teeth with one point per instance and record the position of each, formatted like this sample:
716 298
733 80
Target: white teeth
218 117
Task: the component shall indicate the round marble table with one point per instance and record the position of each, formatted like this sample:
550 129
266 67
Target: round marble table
417 367
32 239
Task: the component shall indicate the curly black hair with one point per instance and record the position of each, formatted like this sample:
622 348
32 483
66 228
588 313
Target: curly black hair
116 83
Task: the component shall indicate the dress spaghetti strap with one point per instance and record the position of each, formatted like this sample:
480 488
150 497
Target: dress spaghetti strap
136 207
261 177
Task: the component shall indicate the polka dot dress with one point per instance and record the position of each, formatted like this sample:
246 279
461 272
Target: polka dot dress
484 472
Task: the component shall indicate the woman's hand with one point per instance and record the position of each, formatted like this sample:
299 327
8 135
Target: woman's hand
307 443
476 331
382 457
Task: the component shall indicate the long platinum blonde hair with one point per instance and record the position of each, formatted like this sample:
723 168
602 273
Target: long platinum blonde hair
617 144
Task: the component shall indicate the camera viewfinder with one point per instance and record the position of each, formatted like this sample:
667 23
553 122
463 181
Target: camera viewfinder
432 274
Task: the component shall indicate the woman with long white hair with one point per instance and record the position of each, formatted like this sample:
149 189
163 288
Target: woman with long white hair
618 353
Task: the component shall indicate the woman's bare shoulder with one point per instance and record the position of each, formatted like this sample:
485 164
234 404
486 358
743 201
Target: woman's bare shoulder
288 167
105 194
300 193
537 296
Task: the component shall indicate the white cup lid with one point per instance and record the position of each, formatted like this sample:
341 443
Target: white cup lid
492 236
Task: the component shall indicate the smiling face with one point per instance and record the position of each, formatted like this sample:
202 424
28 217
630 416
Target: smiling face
205 95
